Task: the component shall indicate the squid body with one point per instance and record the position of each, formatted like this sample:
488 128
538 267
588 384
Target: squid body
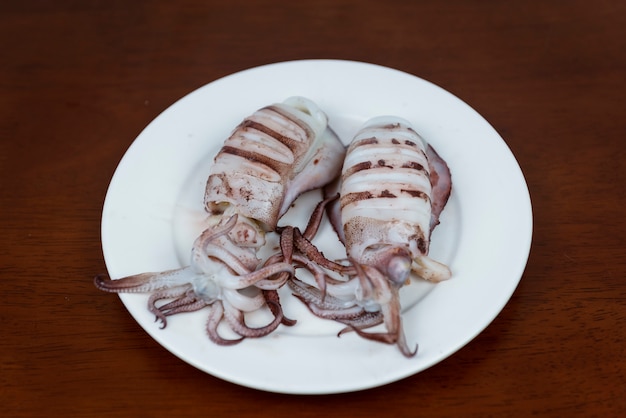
393 188
271 157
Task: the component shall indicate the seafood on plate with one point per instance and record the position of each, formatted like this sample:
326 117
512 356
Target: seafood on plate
271 157
392 190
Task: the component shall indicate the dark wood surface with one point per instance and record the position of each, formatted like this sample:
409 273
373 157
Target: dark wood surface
80 79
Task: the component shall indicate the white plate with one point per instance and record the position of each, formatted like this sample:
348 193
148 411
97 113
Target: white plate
153 210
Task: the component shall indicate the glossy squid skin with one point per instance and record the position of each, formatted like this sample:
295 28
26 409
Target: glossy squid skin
270 158
386 201
393 188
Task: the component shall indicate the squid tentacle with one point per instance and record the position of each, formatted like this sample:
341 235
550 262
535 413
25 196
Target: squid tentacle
190 304
236 320
366 320
285 255
244 302
393 322
273 303
311 295
345 314
180 295
264 273
216 313
311 251
316 217
144 282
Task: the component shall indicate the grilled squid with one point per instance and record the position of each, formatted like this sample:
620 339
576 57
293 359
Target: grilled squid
271 157
386 201
393 189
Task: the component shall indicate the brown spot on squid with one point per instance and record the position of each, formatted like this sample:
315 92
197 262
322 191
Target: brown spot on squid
387 193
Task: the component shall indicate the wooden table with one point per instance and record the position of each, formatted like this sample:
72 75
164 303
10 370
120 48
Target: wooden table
80 80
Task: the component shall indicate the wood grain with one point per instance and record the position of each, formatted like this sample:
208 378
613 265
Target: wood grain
80 79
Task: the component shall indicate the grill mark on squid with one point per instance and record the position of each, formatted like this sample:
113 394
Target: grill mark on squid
365 141
308 132
418 194
414 165
418 167
364 165
255 157
383 194
290 143
355 197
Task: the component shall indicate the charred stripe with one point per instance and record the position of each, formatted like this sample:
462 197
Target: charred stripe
365 141
364 165
417 194
355 197
255 157
308 132
384 194
285 140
